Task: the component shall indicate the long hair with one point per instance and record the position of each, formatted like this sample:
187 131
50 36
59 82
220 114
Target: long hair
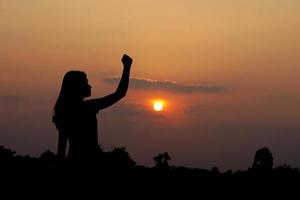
70 94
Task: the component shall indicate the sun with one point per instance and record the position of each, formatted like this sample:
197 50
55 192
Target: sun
158 106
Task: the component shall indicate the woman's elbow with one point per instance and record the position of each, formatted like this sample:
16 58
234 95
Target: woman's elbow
121 93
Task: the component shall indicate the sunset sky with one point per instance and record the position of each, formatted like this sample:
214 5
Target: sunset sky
228 72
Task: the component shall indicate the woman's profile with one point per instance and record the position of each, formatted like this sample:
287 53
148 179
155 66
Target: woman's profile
75 117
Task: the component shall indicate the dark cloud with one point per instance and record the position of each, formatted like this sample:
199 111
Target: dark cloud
172 86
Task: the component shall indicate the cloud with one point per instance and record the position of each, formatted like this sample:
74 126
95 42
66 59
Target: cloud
166 85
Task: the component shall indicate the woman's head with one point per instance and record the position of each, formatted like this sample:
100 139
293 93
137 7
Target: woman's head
75 86
74 89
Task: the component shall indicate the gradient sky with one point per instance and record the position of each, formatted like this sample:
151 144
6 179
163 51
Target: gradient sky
228 70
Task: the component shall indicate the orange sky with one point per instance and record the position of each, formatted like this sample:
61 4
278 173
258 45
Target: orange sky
249 48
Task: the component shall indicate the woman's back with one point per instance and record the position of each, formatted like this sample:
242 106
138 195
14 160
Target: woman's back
80 129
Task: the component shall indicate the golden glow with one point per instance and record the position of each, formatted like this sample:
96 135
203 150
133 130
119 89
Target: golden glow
158 105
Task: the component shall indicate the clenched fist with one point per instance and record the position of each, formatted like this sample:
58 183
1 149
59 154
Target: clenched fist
126 60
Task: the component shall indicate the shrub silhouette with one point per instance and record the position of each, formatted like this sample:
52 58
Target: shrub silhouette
118 162
48 159
119 158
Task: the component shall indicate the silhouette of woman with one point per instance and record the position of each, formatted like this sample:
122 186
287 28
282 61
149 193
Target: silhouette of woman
75 117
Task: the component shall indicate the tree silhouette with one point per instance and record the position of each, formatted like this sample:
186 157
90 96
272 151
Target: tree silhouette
263 161
6 158
6 154
161 160
118 165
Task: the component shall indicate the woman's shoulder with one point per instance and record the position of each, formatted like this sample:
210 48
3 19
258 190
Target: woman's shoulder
89 105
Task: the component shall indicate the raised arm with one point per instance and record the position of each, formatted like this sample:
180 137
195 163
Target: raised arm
104 102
